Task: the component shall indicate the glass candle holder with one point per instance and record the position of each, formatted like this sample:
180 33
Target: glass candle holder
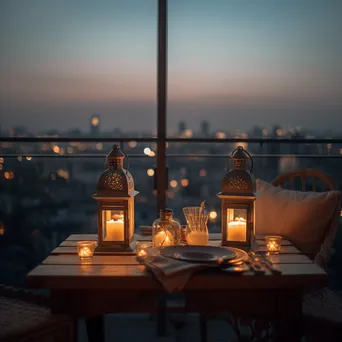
273 244
141 249
85 249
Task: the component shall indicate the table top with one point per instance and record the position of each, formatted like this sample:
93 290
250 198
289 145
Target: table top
63 270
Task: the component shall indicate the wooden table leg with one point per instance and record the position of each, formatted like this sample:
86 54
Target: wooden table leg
95 329
288 324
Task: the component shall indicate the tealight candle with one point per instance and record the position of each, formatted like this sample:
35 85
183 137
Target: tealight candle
273 244
141 249
85 249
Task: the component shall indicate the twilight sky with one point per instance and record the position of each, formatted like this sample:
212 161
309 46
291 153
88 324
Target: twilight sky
237 63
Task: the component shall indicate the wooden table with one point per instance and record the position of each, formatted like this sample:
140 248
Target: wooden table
119 284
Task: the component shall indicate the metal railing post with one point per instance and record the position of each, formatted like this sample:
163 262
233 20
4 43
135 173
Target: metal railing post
162 103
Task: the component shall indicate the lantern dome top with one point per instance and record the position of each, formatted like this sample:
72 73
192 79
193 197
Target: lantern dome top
115 181
239 154
116 152
238 181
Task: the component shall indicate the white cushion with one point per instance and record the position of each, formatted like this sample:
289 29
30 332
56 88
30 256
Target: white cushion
308 219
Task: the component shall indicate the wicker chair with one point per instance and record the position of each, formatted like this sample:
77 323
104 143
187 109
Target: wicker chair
318 179
322 309
26 317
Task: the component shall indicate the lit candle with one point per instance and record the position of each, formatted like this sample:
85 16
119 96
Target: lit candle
85 249
115 230
197 238
142 253
162 239
237 230
141 249
273 244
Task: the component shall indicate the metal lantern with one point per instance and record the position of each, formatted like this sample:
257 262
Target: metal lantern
115 195
237 201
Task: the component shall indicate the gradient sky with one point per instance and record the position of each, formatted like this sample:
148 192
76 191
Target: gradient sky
237 63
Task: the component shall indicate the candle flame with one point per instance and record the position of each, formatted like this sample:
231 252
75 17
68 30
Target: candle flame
239 219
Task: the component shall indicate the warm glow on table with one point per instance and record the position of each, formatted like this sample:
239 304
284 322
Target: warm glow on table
162 239
197 238
237 230
115 230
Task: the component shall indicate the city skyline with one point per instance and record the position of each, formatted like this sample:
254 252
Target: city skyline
238 64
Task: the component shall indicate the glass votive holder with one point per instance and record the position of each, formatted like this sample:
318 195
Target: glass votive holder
141 249
273 244
85 249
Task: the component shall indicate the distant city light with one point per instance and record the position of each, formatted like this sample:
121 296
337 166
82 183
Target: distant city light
70 149
9 175
1 167
95 121
152 154
170 195
99 146
132 144
147 151
28 158
187 133
20 158
340 150
2 229
150 172
173 183
329 146
2 160
184 182
264 132
55 148
213 215
63 174
203 173
220 135
279 132
61 150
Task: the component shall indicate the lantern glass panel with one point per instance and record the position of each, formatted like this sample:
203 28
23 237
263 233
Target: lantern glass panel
113 221
237 224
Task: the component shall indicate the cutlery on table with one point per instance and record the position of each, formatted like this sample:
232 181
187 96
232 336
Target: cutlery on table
262 259
256 268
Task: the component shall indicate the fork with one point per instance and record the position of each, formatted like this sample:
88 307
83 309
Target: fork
260 257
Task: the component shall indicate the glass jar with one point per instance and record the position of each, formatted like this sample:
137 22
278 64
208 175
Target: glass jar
165 230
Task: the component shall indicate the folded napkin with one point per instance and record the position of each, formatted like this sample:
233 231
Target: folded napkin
172 274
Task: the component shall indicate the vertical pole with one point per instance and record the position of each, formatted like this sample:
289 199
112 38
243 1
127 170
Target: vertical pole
161 98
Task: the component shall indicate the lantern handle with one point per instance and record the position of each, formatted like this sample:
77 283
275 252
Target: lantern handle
129 162
250 157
